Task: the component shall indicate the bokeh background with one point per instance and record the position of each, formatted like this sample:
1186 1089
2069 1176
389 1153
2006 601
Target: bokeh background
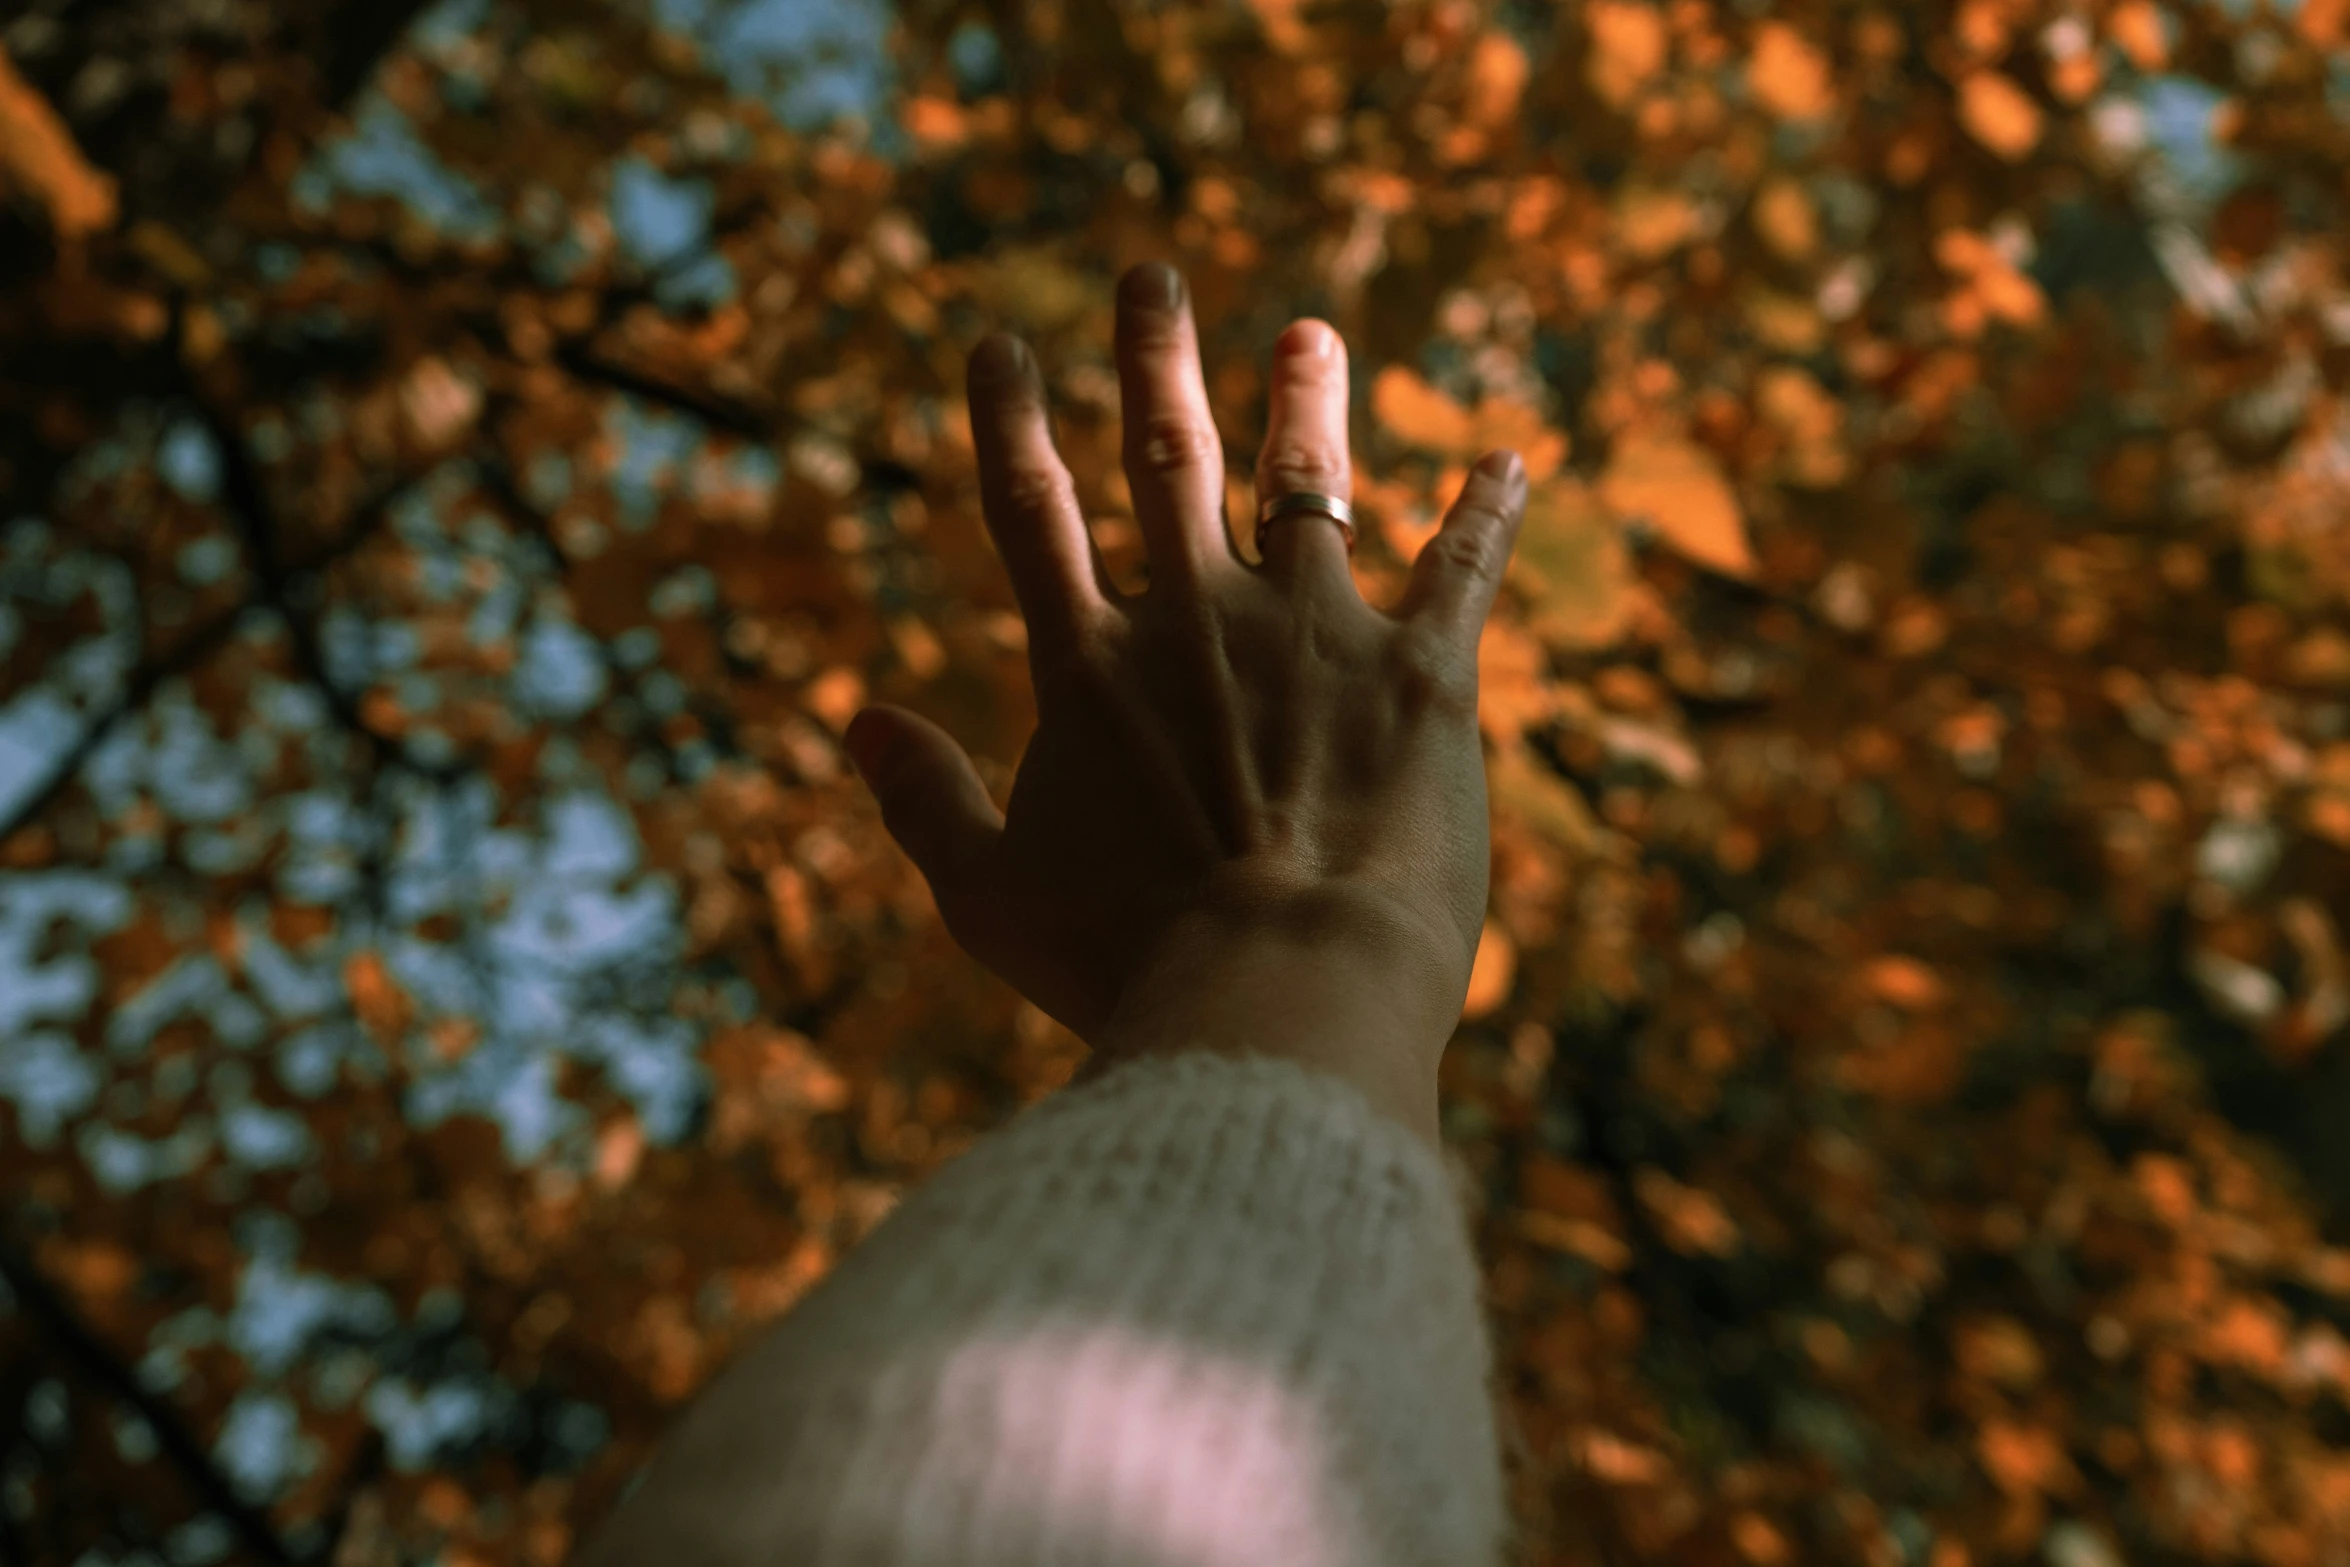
461 466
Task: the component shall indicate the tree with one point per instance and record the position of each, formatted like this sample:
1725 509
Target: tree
462 474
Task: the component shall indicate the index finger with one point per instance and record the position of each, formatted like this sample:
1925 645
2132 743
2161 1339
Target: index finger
1026 494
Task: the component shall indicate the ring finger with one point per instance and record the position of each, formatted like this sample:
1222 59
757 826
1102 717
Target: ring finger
1306 452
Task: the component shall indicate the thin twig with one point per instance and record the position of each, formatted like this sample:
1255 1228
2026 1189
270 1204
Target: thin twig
246 499
184 654
583 361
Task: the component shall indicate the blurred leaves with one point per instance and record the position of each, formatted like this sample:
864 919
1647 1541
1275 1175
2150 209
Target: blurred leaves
453 992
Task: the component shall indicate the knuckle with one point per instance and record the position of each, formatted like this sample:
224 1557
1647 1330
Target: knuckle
1171 444
1034 491
1294 465
1300 372
1096 651
1470 547
1081 668
1183 625
1154 338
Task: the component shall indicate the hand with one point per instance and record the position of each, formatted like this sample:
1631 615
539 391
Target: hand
1253 814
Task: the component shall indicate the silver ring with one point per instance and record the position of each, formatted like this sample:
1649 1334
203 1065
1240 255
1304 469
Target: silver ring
1305 503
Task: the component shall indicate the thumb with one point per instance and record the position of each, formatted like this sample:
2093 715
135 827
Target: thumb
931 798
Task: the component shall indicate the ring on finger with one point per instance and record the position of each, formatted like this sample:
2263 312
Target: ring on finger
1306 503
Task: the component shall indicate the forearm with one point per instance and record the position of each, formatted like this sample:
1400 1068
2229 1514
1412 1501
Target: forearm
1200 1309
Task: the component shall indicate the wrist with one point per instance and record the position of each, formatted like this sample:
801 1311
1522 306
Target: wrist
1371 1001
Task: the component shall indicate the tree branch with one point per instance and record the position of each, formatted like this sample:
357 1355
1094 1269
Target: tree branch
246 499
584 362
90 1354
184 655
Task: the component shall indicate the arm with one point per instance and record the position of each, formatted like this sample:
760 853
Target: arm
1201 1312
1215 1304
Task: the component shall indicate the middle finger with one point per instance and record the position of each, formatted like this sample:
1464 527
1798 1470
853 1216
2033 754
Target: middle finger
1174 458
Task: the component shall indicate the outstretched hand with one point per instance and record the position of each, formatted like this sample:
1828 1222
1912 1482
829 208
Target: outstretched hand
1253 814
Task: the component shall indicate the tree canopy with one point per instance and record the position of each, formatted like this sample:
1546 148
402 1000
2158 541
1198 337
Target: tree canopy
462 466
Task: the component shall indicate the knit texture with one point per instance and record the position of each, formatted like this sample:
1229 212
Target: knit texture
1204 1311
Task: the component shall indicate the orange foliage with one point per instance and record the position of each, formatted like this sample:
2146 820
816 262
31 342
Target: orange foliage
1899 1083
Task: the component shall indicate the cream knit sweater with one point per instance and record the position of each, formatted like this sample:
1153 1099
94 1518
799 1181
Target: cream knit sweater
1201 1312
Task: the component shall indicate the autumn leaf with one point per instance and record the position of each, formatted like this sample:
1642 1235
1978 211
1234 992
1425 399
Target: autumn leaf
438 404
1903 981
381 1005
2326 813
835 695
1492 974
620 1148
1693 1221
1619 1462
1496 80
38 157
1036 288
1788 75
1677 490
1789 323
1526 790
1558 1186
2024 1459
1758 1540
2249 1334
2008 295
1514 692
1628 44
935 123
1653 221
1999 1349
1522 428
1577 1237
1421 415
1283 27
1568 1207
2138 28
1785 217
1999 114
96 1271
1812 423
1572 568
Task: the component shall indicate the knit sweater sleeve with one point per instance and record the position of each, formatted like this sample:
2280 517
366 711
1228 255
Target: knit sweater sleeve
1204 1311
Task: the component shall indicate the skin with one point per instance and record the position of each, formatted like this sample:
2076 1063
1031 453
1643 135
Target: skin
1253 816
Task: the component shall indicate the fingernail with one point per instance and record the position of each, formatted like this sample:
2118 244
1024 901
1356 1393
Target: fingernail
999 357
1309 339
1501 465
1155 285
